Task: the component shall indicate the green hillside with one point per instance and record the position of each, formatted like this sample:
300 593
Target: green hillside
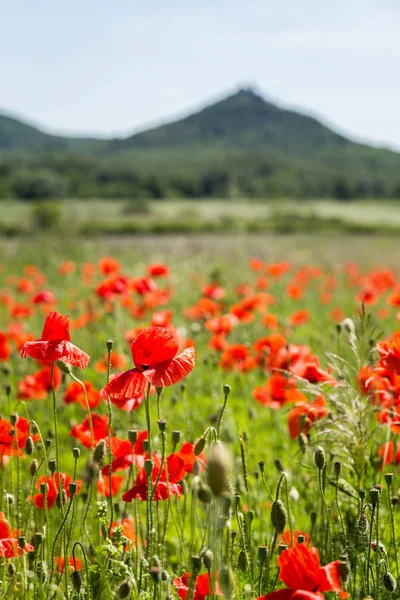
239 146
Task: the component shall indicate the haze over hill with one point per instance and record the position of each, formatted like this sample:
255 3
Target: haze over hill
241 145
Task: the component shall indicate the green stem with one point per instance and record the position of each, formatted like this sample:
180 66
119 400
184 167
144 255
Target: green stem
109 442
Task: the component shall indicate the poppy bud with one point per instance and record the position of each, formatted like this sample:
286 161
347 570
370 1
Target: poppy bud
162 425
226 389
155 574
64 367
52 465
125 589
176 437
374 496
261 466
278 516
204 494
361 494
29 446
41 571
76 580
389 582
313 518
11 569
155 561
303 442
62 498
389 478
208 558
133 436
33 467
37 539
164 575
7 389
262 554
319 457
226 581
76 453
43 488
242 561
73 488
363 525
344 570
14 418
338 468
99 453
109 345
395 500
218 468
196 564
199 446
148 467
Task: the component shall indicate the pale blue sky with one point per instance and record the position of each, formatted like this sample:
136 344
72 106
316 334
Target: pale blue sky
110 67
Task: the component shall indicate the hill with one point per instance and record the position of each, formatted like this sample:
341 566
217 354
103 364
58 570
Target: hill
239 146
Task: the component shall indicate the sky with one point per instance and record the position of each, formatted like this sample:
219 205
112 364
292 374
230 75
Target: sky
110 68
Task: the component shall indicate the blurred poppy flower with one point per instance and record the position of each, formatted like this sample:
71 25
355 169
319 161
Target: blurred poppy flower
301 571
5 348
74 393
55 344
103 484
59 562
108 265
13 437
389 355
9 546
154 356
38 385
158 270
302 416
52 489
203 587
82 431
122 452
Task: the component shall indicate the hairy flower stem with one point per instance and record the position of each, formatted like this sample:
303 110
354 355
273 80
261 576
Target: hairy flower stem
221 413
340 513
377 556
89 412
369 546
54 548
392 526
88 590
327 512
289 512
149 508
109 347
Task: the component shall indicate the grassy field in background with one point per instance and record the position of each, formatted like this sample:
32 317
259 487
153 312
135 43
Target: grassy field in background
281 216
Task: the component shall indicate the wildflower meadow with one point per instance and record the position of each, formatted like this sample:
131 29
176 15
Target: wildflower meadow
185 425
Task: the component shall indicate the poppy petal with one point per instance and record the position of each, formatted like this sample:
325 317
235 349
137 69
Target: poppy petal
168 373
126 386
152 346
56 327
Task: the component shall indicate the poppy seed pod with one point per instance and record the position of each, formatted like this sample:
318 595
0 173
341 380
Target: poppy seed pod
196 564
176 436
226 389
389 582
29 446
21 541
338 468
313 518
262 554
37 539
76 580
99 453
374 496
76 453
278 516
52 465
133 436
155 574
47 443
162 425
300 539
319 457
389 478
33 467
281 548
109 345
73 487
14 418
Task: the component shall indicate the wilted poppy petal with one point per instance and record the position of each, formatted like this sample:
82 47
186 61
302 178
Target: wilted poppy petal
168 373
125 386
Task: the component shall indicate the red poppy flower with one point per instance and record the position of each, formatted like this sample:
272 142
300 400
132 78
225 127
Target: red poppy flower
389 353
74 393
122 452
38 385
238 358
66 267
9 546
11 443
82 431
299 317
301 571
43 297
52 489
128 530
55 344
103 484
117 361
203 586
278 391
154 356
158 270
108 265
5 349
176 471
59 562
302 416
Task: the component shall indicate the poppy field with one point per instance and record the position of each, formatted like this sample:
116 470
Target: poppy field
207 419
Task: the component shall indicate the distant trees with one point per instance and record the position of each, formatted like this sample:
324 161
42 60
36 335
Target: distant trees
39 185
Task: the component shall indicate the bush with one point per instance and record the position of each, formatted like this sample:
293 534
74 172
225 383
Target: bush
39 185
46 216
